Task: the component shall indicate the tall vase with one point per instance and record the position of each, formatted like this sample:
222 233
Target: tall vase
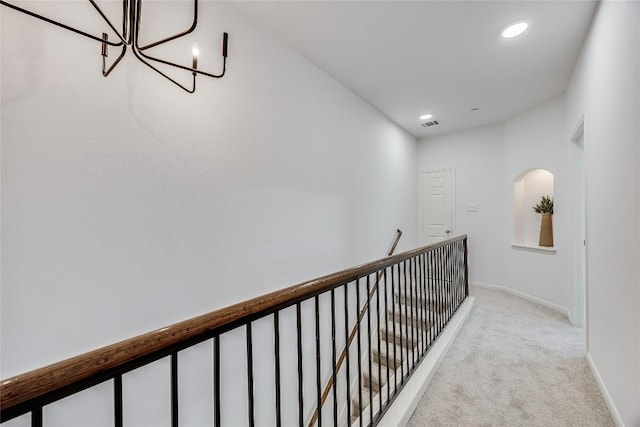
546 230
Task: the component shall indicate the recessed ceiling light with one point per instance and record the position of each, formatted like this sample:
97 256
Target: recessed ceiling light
426 116
514 29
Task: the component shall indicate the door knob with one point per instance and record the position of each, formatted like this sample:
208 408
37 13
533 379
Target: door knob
447 231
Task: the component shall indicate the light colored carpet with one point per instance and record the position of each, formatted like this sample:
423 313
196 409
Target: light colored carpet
514 363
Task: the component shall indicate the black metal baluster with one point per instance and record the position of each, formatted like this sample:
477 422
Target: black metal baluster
452 277
408 313
36 417
452 273
461 269
457 272
418 290
417 323
463 265
415 316
379 276
449 280
454 264
442 289
300 383
250 403
436 294
409 320
423 300
416 320
466 267
436 297
393 326
276 345
346 350
447 250
414 311
216 378
333 354
454 288
425 303
432 299
360 409
419 307
400 304
438 283
402 283
117 400
369 347
439 291
318 376
174 389
386 315
427 294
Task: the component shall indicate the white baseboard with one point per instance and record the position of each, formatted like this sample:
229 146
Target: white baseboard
563 310
403 407
605 393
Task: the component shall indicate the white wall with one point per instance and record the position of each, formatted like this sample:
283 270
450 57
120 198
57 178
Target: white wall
128 204
477 157
536 140
605 89
488 160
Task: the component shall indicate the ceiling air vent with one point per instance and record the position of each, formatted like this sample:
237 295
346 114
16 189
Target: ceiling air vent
431 123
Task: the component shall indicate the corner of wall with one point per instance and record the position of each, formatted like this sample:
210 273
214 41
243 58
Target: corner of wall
605 393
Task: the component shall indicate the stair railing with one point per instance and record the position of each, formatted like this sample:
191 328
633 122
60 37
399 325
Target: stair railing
354 331
304 330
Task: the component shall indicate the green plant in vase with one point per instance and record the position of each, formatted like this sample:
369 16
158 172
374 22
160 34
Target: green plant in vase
545 208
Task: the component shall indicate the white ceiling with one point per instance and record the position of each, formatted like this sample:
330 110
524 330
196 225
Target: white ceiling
407 58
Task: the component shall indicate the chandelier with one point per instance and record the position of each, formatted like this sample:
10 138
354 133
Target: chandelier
129 36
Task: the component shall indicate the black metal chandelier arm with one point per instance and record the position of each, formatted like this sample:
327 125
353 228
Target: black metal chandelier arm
123 36
105 71
59 24
139 55
182 67
194 24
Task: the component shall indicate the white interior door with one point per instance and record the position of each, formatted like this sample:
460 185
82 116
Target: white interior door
436 188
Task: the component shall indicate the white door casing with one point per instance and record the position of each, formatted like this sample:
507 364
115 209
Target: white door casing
437 197
579 274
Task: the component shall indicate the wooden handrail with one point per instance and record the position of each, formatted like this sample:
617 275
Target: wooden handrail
36 383
352 334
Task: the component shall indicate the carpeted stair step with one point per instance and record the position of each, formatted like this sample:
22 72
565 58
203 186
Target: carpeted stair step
388 333
376 381
380 356
421 301
415 318
357 410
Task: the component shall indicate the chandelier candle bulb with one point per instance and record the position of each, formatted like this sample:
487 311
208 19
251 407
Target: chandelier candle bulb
105 52
195 51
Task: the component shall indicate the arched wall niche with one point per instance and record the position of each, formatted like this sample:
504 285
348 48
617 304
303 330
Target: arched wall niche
528 188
